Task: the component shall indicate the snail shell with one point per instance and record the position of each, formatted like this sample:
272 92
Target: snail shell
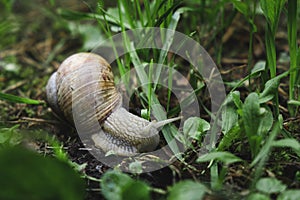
84 81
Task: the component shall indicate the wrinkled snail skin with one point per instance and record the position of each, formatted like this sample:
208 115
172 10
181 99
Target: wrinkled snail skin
84 80
126 137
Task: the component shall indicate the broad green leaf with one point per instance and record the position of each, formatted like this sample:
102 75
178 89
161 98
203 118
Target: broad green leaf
91 36
271 10
17 99
114 183
260 66
117 186
236 99
136 167
27 175
252 119
257 122
270 185
187 189
194 127
229 115
242 7
288 142
245 9
223 156
271 87
294 102
289 195
258 196
266 121
10 136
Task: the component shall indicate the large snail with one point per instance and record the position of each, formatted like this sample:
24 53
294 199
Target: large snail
85 80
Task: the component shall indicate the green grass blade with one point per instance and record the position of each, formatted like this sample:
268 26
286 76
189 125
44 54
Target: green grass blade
17 99
148 14
293 47
169 131
271 10
271 60
128 13
168 41
161 19
75 15
139 12
271 50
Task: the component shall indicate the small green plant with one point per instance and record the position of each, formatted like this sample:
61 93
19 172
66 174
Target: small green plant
187 189
252 118
265 187
217 176
27 175
10 136
117 185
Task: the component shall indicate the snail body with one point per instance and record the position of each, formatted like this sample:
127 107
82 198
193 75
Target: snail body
82 90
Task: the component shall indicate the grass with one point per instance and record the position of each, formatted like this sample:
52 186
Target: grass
294 53
17 99
259 119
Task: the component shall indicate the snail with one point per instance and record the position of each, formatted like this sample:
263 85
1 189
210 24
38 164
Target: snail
84 81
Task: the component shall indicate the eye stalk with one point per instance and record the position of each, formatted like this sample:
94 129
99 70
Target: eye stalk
156 125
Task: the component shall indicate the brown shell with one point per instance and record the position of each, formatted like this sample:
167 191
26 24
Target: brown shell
85 88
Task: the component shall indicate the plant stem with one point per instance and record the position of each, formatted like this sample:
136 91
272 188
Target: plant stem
252 28
292 39
264 154
271 60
